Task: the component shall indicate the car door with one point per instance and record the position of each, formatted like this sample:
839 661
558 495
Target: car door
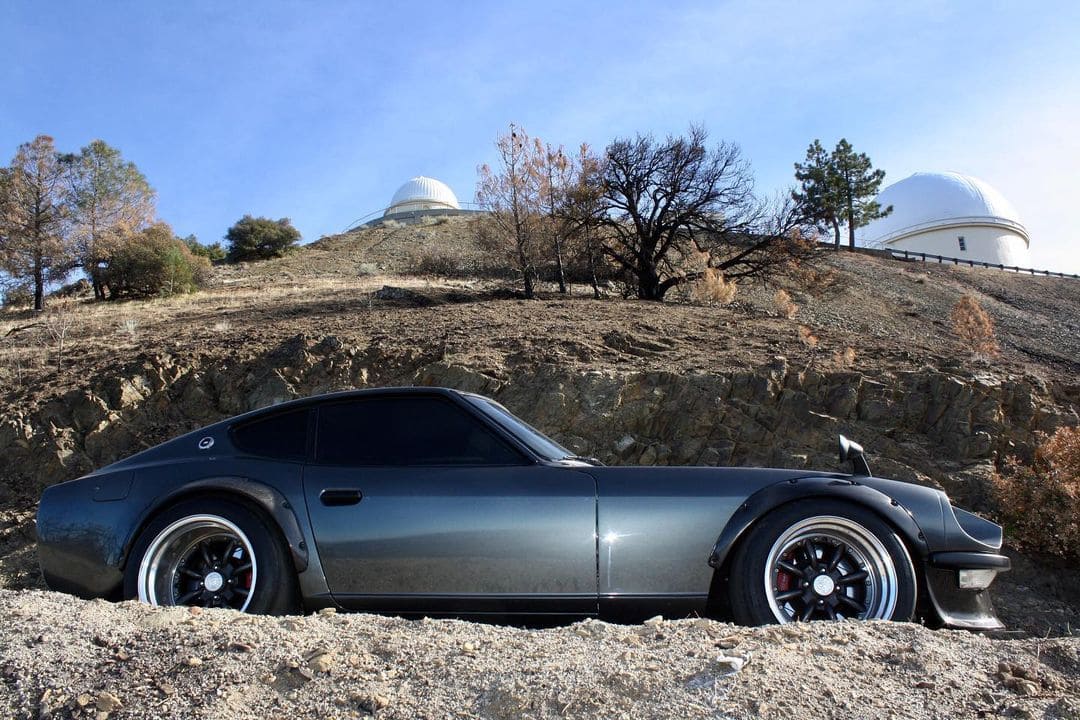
418 505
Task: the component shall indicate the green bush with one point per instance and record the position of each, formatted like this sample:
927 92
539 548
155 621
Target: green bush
212 252
154 263
261 238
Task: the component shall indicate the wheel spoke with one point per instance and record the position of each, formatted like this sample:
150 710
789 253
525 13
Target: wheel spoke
853 578
789 595
793 569
838 554
206 553
185 599
229 550
831 612
191 574
243 568
853 604
241 590
807 612
811 553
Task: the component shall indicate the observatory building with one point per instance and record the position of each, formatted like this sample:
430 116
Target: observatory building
422 195
952 215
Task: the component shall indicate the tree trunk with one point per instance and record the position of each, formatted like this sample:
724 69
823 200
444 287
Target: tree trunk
649 287
591 252
836 232
850 219
39 287
560 275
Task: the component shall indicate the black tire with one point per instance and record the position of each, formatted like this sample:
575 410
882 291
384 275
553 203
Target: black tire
831 544
213 552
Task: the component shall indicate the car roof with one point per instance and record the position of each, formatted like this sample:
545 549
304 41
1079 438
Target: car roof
402 391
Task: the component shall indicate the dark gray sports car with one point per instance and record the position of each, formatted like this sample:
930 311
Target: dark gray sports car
434 501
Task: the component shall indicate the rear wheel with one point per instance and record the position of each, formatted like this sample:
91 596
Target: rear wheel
212 553
822 560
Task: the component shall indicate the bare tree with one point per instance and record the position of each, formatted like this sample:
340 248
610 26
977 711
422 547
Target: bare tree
673 210
511 196
582 210
555 177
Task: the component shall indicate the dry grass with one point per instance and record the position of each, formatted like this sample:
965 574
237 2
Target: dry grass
844 360
807 337
974 326
1040 503
712 287
784 305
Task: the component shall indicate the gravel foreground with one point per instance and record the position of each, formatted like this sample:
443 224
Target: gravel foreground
61 657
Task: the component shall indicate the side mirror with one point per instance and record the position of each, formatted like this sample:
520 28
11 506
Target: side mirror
853 451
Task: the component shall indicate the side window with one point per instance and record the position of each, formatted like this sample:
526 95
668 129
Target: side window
407 431
282 436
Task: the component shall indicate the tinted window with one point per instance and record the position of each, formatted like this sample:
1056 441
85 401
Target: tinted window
282 436
539 443
407 431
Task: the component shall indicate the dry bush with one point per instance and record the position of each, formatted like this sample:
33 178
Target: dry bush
818 281
1040 503
807 337
712 287
974 326
783 304
844 360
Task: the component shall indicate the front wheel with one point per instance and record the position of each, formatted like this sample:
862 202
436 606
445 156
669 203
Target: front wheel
212 553
822 560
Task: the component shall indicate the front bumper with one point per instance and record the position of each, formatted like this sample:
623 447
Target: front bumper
957 585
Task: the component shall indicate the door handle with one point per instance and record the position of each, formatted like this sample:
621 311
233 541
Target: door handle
336 497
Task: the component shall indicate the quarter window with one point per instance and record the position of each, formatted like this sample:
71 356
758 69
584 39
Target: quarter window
282 436
407 431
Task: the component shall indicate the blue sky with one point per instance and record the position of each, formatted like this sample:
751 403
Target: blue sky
319 110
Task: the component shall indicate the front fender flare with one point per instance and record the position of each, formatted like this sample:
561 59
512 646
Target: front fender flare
773 496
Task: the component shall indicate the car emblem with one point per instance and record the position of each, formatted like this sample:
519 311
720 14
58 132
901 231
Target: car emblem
206 443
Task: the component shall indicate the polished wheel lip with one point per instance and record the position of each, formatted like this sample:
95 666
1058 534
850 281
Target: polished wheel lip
871 554
154 560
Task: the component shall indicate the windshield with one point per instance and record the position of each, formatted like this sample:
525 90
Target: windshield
535 440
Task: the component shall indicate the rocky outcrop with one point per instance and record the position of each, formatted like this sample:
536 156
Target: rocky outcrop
928 425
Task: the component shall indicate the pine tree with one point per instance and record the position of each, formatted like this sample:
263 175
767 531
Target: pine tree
839 188
35 245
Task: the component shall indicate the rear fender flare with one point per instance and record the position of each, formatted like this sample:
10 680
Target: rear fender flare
773 496
264 497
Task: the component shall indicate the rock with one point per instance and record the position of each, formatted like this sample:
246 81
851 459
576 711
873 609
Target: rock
192 661
654 621
323 662
106 702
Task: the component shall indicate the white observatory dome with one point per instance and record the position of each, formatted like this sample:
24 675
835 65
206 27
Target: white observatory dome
422 193
952 215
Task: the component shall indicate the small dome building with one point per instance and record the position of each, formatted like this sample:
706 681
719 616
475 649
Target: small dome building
422 194
952 215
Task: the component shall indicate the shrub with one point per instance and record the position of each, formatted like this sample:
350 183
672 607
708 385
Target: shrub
712 287
154 263
18 296
1040 503
783 304
260 238
974 326
212 252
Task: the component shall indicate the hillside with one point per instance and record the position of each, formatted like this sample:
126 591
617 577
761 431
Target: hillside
627 381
